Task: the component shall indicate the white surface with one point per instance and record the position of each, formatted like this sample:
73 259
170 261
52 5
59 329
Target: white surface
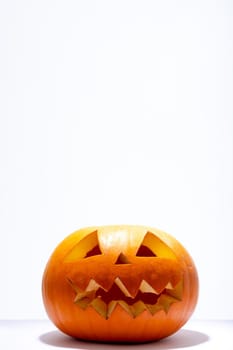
214 335
115 112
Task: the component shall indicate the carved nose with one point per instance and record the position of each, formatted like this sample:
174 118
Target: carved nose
122 259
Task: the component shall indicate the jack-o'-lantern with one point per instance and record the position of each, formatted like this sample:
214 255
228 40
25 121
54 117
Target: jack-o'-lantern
120 284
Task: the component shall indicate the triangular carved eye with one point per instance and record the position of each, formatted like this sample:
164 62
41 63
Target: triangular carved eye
87 247
94 251
153 246
145 251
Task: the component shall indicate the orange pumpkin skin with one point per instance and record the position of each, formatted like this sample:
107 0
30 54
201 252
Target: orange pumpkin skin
79 308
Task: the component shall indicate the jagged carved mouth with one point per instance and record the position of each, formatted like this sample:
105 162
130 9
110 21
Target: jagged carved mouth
146 298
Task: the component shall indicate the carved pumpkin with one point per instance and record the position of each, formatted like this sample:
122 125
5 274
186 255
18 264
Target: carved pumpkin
120 283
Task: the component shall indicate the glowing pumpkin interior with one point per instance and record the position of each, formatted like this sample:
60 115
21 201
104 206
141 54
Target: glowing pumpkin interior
105 274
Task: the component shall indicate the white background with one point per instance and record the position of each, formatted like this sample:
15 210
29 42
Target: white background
115 112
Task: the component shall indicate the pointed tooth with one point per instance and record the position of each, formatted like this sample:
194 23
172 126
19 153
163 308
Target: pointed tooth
100 306
145 287
125 306
177 291
138 307
83 303
154 308
84 299
84 295
92 285
169 286
122 287
165 301
113 304
111 307
79 296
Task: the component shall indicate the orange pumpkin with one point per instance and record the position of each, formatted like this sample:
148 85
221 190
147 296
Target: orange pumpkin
120 283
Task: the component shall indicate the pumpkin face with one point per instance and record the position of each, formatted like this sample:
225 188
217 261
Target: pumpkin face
120 283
